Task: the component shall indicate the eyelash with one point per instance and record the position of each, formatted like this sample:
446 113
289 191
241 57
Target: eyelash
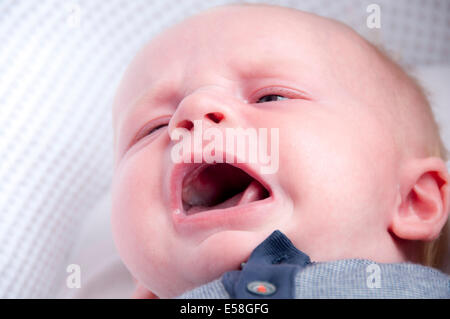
155 129
285 93
147 132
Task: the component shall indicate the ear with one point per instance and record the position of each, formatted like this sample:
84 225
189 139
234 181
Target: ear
424 195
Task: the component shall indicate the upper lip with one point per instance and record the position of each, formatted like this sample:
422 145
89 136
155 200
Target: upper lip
179 171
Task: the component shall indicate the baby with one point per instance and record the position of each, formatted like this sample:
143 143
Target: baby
360 193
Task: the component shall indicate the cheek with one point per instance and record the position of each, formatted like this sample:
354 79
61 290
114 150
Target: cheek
139 217
137 187
343 170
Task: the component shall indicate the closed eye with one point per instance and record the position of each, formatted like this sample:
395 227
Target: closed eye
156 128
147 132
151 129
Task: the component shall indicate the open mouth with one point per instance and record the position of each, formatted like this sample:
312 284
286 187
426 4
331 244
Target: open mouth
219 186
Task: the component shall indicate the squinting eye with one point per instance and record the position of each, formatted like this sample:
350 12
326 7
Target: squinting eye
155 129
271 98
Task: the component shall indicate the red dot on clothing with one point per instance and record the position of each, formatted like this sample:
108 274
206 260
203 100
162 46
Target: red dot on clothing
261 288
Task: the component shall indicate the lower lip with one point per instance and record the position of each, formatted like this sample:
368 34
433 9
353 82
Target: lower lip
238 217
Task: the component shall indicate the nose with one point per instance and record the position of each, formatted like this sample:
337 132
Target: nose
211 108
215 117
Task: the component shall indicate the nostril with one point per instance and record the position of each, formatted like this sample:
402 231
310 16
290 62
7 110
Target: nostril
186 124
216 117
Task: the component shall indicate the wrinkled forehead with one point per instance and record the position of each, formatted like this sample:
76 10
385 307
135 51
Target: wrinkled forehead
226 41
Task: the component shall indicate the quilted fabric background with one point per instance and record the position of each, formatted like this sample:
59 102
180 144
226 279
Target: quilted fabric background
60 62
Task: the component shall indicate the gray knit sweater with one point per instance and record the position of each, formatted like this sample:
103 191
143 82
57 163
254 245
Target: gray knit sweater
353 278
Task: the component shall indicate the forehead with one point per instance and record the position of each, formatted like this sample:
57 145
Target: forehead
230 34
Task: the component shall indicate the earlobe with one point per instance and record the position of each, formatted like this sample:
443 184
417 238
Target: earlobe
424 200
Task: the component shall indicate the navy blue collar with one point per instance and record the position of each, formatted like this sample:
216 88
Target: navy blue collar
269 272
278 249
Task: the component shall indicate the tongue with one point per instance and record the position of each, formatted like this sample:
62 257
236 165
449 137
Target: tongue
254 192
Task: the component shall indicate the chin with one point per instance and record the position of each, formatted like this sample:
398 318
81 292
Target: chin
217 254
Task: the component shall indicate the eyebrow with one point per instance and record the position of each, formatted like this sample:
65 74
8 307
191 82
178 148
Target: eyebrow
263 67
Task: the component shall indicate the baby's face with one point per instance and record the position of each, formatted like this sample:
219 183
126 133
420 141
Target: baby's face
251 68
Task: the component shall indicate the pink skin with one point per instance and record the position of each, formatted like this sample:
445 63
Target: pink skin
331 195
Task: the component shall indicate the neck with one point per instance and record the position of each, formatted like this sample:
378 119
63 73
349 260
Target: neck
407 250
